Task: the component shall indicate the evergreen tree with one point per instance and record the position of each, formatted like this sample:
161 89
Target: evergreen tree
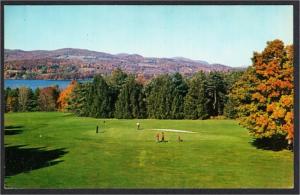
131 100
99 99
115 81
194 104
32 101
159 99
215 94
36 95
179 90
77 103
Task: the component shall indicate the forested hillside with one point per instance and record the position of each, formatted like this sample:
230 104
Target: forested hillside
82 64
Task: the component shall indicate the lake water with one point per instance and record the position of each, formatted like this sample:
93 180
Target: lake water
33 84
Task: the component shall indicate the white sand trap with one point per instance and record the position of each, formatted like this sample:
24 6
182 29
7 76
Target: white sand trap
174 130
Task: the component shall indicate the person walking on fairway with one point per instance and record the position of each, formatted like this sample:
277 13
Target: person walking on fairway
162 136
138 126
179 139
157 137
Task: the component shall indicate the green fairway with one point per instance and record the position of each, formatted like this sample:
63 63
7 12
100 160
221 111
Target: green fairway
72 155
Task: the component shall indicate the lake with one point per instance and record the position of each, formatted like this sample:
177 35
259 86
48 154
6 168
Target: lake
33 84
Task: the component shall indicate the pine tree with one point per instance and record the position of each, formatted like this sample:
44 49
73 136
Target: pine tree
32 101
160 97
99 99
215 94
179 90
131 100
194 104
36 95
77 103
115 81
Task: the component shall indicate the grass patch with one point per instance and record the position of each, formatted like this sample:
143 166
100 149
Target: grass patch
60 150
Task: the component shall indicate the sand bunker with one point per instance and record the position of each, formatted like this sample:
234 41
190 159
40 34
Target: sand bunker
174 130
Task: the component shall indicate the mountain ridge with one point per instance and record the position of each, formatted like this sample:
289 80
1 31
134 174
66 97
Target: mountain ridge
68 63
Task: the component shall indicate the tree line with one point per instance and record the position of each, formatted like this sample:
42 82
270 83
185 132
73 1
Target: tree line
121 95
24 99
164 97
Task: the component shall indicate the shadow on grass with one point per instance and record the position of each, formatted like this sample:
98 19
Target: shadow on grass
275 143
20 160
12 130
12 127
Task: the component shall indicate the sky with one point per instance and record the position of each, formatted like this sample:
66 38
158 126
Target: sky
217 34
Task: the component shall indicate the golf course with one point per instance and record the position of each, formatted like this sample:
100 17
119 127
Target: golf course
60 150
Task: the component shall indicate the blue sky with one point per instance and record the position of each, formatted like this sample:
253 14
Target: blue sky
217 34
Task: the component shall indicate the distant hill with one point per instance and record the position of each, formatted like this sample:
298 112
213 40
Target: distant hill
70 63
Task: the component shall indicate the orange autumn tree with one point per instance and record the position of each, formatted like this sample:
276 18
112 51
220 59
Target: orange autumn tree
270 111
63 99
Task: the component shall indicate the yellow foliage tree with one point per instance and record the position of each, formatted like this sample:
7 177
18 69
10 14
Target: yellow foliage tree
63 99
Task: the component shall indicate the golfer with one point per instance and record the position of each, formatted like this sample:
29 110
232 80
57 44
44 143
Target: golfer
162 136
157 137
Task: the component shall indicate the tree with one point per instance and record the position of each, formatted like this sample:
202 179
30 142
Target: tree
7 92
64 96
267 103
23 99
237 85
159 97
77 103
179 91
194 103
32 101
99 99
35 98
230 78
115 82
117 79
140 78
47 99
131 100
216 90
240 97
12 104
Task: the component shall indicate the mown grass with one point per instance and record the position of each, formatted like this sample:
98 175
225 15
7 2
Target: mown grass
219 155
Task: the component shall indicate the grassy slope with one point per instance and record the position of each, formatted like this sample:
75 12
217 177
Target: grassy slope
218 156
